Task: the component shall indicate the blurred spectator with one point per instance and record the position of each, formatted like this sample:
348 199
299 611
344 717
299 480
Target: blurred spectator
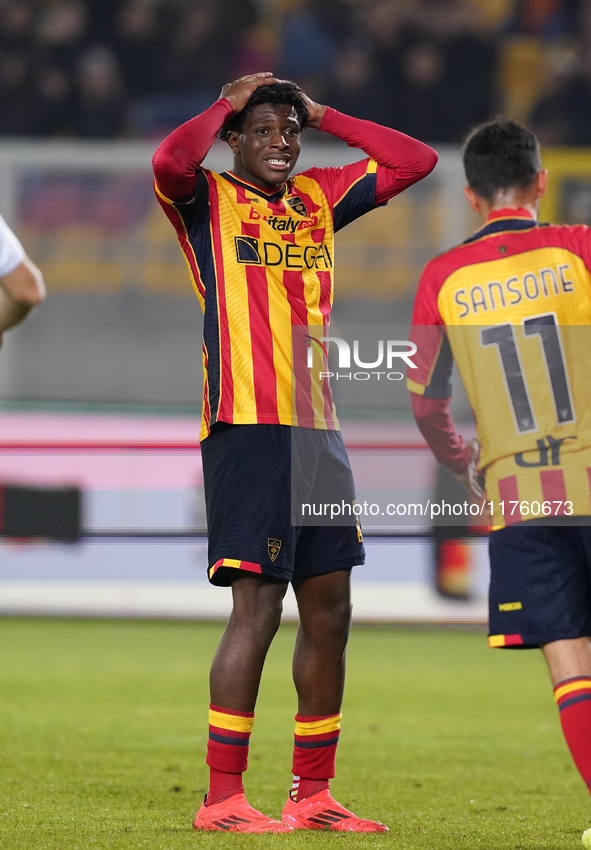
99 96
469 57
140 47
204 40
256 50
561 114
434 67
16 98
353 89
427 102
61 31
310 34
101 18
201 42
195 59
55 108
16 24
382 21
379 30
16 66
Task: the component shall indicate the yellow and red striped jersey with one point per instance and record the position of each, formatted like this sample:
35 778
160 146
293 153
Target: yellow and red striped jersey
512 307
262 264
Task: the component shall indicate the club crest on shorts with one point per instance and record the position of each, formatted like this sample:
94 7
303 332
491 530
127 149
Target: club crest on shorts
298 206
273 547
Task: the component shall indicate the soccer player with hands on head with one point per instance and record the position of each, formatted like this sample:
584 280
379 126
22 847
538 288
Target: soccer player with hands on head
512 307
259 246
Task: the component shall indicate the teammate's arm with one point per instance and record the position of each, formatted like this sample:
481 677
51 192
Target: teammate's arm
401 159
177 161
429 383
435 422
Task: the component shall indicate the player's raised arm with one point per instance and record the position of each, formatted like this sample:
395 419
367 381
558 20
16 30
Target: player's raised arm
401 159
177 160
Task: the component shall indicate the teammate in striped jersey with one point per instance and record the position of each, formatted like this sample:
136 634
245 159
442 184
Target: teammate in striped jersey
512 306
259 246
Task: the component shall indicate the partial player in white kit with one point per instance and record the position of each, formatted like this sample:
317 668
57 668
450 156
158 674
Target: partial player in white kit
21 282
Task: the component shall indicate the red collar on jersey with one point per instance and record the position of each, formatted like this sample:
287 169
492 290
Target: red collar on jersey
511 212
272 197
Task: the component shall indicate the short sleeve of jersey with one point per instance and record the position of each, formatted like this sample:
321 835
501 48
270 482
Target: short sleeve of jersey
199 190
433 358
11 251
350 190
195 210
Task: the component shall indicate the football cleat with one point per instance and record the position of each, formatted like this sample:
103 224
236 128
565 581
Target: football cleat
235 815
321 811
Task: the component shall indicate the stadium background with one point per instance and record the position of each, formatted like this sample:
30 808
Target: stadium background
109 367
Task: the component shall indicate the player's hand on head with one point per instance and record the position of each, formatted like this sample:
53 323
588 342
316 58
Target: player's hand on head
315 110
469 478
240 91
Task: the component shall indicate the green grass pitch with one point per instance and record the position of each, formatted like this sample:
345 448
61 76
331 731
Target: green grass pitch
103 730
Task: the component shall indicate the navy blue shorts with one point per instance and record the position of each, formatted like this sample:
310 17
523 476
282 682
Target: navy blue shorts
540 588
256 479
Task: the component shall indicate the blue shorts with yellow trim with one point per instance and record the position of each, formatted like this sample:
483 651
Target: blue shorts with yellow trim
540 589
256 479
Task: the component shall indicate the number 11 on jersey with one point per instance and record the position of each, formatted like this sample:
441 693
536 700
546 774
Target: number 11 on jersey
546 328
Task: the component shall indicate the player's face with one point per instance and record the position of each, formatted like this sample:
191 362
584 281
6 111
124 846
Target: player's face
268 146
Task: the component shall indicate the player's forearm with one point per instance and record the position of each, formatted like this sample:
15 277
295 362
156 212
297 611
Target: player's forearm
403 160
181 153
11 312
20 290
435 423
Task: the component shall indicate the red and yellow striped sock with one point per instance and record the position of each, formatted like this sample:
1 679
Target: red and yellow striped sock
573 697
314 753
227 751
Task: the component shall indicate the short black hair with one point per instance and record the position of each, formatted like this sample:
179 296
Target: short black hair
501 154
287 93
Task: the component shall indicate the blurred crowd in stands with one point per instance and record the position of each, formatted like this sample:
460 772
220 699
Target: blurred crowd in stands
432 68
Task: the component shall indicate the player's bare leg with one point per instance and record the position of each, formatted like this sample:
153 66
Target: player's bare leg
238 662
568 658
324 604
569 663
234 683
